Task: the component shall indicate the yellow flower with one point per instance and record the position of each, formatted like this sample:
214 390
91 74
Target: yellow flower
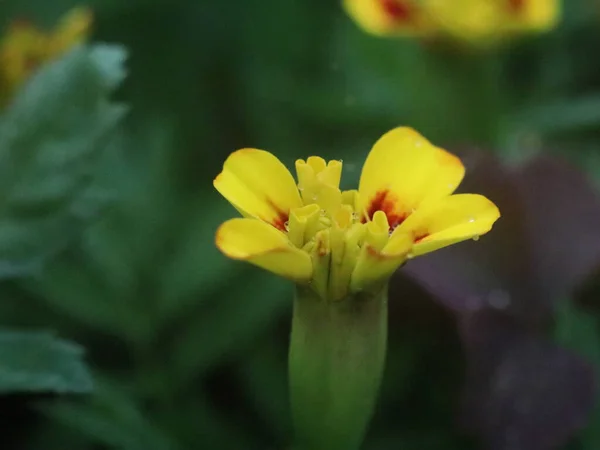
342 242
390 17
472 20
25 48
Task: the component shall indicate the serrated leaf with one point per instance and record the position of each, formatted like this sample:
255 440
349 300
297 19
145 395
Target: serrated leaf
55 138
40 362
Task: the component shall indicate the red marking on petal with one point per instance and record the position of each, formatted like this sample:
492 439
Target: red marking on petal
374 253
516 5
321 248
419 235
397 10
282 218
385 201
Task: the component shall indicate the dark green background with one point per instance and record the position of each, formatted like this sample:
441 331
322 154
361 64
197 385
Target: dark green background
188 349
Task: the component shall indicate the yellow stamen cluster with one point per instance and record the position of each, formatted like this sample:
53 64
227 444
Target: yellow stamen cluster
330 228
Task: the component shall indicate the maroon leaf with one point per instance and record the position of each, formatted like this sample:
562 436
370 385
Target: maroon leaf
562 225
522 392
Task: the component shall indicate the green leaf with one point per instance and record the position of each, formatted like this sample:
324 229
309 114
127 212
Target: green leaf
112 418
578 331
40 362
252 303
263 374
56 139
561 116
187 274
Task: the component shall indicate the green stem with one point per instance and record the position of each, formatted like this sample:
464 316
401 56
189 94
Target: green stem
336 361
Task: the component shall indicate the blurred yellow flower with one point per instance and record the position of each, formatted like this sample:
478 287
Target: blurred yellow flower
472 20
25 47
341 242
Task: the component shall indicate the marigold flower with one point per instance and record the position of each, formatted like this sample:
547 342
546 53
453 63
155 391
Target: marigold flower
472 20
25 48
343 242
391 17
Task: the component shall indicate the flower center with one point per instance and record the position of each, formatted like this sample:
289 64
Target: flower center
326 209
331 229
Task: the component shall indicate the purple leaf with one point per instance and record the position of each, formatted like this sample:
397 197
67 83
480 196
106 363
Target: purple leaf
522 392
562 225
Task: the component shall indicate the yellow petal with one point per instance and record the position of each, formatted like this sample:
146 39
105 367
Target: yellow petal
332 174
388 17
402 171
264 246
258 185
538 15
304 223
377 231
321 261
21 51
73 28
471 20
374 267
341 271
448 221
350 198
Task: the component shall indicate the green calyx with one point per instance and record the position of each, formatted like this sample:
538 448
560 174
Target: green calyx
336 361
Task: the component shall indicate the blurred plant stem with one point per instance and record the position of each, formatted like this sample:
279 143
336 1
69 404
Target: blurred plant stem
336 361
480 89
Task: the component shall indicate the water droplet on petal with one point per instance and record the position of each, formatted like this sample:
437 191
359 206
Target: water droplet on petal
341 160
418 143
471 219
410 256
323 213
287 226
476 237
300 187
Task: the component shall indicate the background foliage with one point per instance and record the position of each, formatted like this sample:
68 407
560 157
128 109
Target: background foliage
107 223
